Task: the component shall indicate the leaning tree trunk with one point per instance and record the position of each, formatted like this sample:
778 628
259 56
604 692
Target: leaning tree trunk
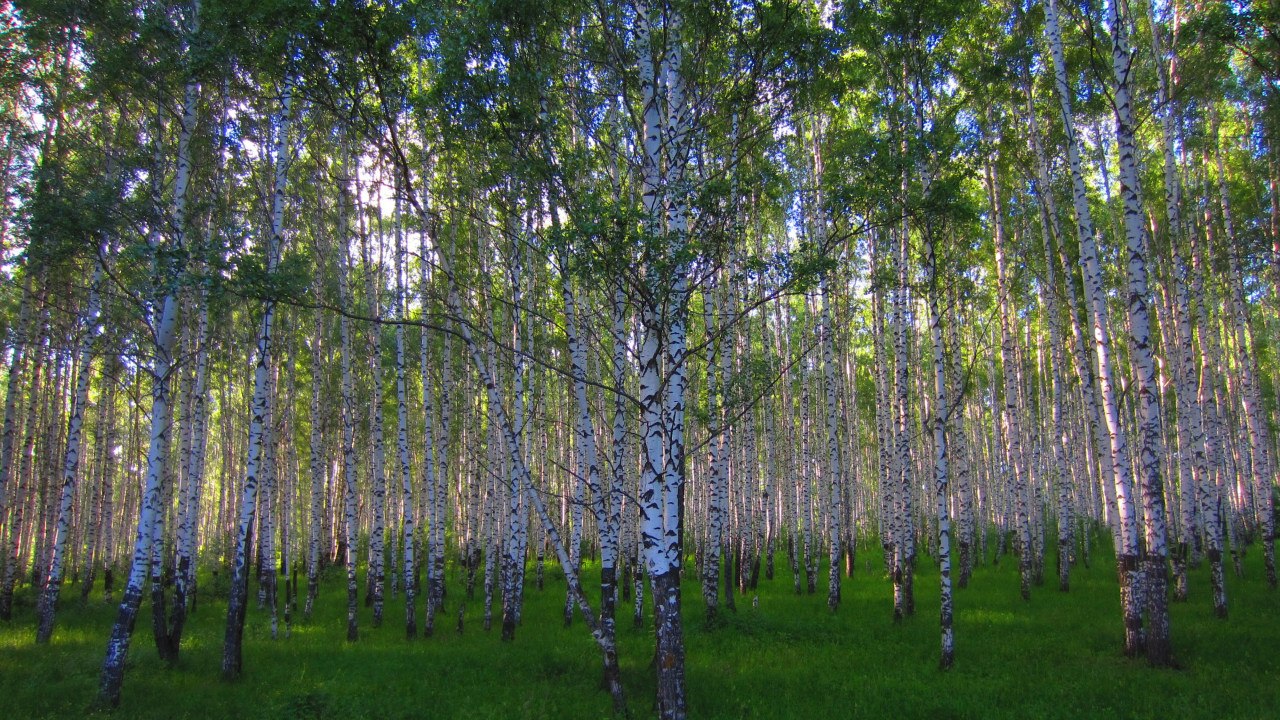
520 470
161 412
605 506
259 433
165 328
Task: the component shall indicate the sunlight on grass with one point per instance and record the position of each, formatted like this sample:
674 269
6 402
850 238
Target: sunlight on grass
1057 656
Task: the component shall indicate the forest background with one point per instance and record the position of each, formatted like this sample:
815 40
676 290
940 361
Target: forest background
717 296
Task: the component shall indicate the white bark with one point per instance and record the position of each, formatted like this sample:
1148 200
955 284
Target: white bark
941 412
1058 443
165 328
256 467
1262 475
409 521
433 450
1012 413
1159 651
317 463
377 534
835 466
1127 530
71 458
348 410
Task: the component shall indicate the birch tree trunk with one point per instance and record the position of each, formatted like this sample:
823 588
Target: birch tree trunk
664 316
165 328
1155 559
348 413
835 466
1011 410
409 521
9 479
71 458
433 450
1262 474
376 570
259 431
1127 530
317 460
718 480
940 459
903 503
1059 445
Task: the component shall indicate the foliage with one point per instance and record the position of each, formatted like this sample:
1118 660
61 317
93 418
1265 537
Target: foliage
787 658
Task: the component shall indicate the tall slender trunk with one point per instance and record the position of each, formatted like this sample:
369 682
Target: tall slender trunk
834 461
1012 412
1058 441
904 545
376 570
433 481
259 432
348 411
1263 480
10 499
409 521
665 144
317 451
1127 531
618 462
71 459
165 328
835 464
718 480
516 534
940 459
184 595
1155 558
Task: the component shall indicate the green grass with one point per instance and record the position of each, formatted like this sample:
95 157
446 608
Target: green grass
1057 656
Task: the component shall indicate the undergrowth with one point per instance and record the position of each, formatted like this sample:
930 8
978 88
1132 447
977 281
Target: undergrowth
785 656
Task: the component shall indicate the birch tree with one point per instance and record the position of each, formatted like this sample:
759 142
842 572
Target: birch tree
232 649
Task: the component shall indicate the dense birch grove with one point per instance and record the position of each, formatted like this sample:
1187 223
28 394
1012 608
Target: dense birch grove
439 296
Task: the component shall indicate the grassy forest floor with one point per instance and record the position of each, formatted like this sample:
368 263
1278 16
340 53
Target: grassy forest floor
1057 656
